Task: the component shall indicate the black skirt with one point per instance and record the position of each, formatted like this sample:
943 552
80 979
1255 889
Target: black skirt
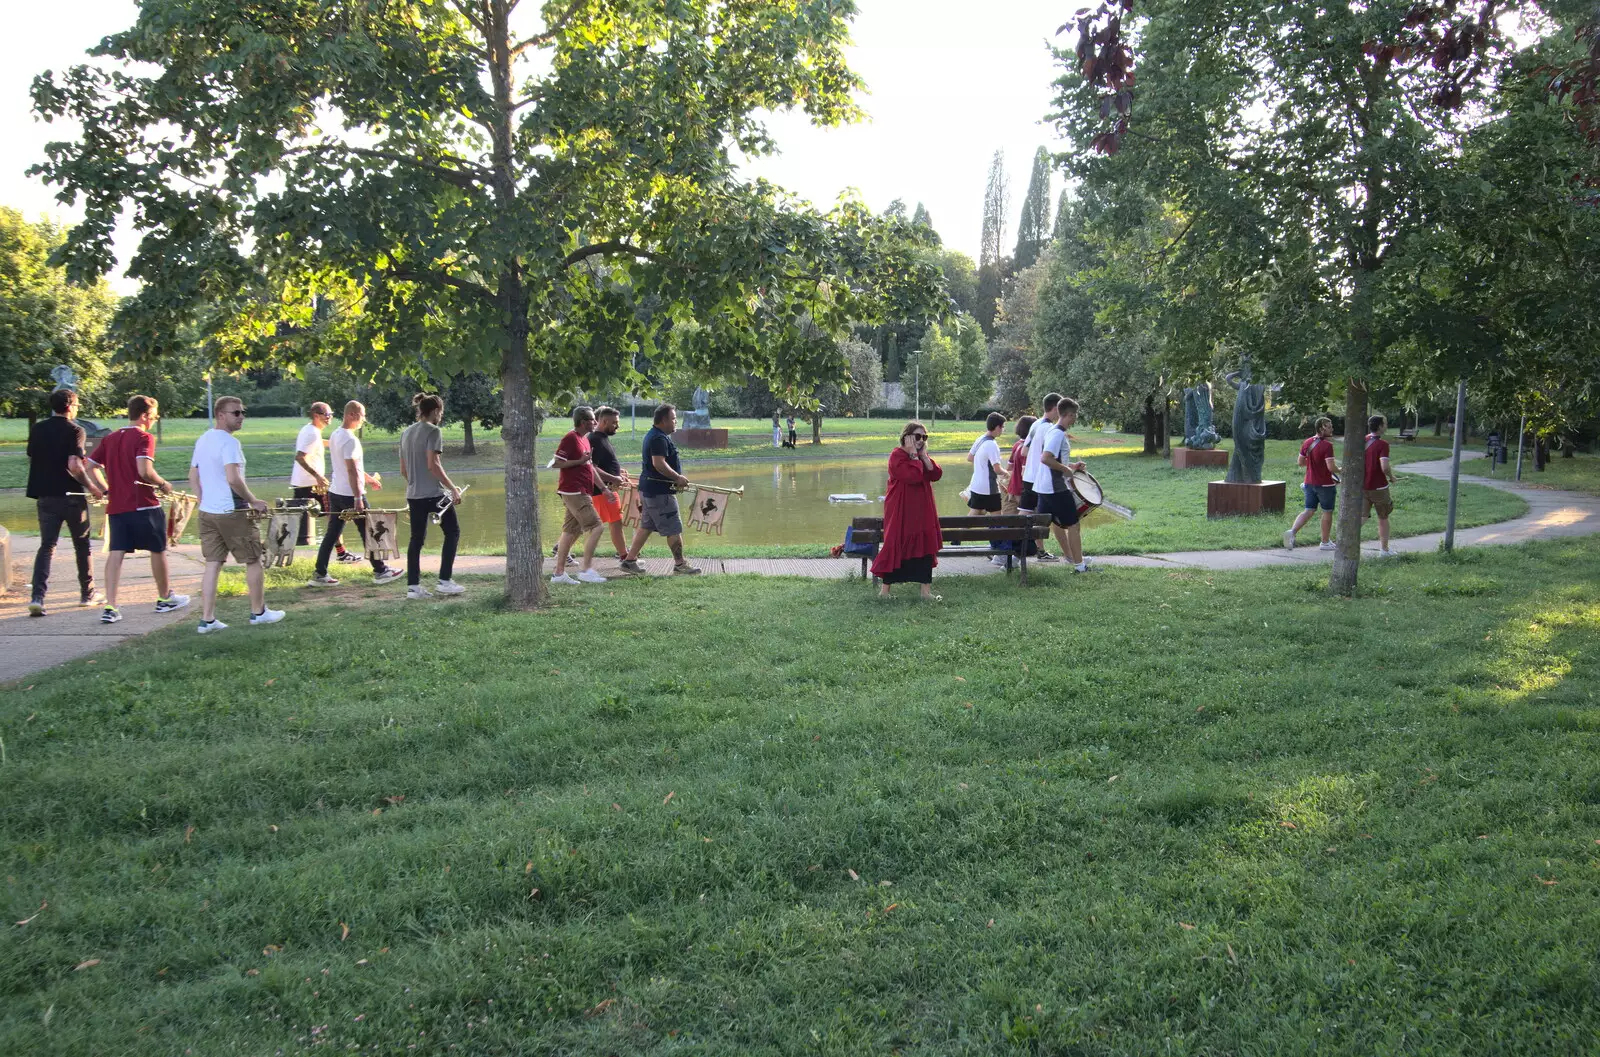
912 571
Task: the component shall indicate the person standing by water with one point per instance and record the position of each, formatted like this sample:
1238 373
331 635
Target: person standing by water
307 479
56 467
777 430
421 464
794 438
911 537
658 503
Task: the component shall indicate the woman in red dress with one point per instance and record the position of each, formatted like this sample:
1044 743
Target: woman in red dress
910 516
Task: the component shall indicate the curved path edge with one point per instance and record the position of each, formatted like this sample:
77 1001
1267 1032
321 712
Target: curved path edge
68 633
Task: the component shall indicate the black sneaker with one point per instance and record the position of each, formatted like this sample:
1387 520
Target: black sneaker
1042 557
631 566
348 558
110 615
36 607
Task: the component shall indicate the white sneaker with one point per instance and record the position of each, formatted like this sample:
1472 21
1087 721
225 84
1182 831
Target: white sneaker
589 576
1385 554
418 591
208 626
1329 546
267 616
1081 567
171 603
449 587
388 575
1288 539
998 561
563 579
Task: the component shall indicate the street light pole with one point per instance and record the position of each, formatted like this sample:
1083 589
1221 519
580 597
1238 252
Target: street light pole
1455 466
916 382
211 414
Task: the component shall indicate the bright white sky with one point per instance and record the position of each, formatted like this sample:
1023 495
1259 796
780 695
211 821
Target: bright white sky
949 82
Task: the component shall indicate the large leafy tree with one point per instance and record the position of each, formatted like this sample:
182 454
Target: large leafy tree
534 190
46 320
1304 145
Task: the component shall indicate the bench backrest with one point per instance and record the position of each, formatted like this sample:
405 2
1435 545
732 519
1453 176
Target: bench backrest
965 529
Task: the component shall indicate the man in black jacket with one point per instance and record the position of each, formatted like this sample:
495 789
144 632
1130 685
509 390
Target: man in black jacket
56 467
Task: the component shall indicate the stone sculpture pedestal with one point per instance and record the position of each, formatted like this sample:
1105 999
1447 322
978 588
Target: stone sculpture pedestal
1189 458
1226 499
701 438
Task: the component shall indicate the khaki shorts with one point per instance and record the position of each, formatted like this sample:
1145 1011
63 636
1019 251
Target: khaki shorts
1008 503
581 516
1376 499
225 534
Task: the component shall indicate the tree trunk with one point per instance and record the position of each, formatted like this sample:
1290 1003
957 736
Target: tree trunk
1438 423
816 428
525 588
1352 470
1150 445
1166 426
467 446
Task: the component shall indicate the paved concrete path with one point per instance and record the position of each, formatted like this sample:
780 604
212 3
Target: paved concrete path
68 632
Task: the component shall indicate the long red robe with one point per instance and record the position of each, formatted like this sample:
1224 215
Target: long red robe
910 515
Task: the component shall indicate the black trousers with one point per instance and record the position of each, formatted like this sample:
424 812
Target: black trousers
56 511
421 513
335 532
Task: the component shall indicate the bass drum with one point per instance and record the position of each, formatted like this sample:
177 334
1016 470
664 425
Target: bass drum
1087 489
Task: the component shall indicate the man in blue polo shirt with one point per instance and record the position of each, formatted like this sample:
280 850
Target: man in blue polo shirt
658 502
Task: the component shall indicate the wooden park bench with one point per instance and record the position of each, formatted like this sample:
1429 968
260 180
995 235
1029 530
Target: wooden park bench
1408 434
1011 528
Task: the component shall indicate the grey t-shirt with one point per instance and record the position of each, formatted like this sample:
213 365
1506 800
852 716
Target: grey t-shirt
415 443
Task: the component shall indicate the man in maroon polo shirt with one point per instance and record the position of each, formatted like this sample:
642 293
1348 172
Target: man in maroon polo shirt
1321 483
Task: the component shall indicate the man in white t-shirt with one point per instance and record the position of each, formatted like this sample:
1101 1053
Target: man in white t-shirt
308 477
216 475
988 478
1028 502
1055 493
347 490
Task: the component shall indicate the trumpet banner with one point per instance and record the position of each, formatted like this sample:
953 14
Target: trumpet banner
281 533
383 540
179 512
708 511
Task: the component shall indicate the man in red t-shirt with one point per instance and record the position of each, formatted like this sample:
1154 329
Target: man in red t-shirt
1321 484
125 463
575 485
1376 481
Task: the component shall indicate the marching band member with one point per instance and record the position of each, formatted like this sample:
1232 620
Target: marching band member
421 448
216 475
307 479
347 490
124 464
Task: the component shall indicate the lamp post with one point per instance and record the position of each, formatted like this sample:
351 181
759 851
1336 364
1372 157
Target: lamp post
1455 466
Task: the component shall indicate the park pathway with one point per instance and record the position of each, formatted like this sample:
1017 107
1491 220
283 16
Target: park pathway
68 633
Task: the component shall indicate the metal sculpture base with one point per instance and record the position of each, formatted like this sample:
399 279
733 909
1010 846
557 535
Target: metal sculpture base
1225 499
1191 458
701 438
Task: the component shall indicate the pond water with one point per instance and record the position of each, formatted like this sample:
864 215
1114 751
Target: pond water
785 503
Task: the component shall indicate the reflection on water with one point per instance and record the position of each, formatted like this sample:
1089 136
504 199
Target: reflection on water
784 502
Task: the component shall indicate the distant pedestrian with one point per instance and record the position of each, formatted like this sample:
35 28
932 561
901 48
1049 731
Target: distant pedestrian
1376 479
422 466
127 458
308 478
777 432
216 474
794 438
55 468
347 490
1321 484
911 538
660 476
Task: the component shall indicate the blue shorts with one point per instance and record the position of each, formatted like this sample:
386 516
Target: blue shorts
1061 506
139 530
1320 494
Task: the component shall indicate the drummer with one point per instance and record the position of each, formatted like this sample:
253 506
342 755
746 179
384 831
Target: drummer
1054 488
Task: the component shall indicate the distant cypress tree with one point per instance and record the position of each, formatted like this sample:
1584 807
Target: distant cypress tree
1063 209
922 220
1033 229
992 264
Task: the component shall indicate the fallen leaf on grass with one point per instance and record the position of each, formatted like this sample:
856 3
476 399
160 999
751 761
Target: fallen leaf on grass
616 807
816 737
35 914
991 923
399 798
272 829
1232 957
1113 778
1186 926
269 682
252 972
962 785
891 907
813 869
1542 881
959 679
528 869
344 932
89 964
270 949
885 884
363 961
966 704
377 811
601 1007
668 797
853 875
533 893
1286 824
187 834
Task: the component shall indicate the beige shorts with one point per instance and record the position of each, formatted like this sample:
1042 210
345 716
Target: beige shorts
581 515
1376 499
1008 503
225 534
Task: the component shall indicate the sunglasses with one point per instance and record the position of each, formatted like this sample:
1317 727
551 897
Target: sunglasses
917 436
237 411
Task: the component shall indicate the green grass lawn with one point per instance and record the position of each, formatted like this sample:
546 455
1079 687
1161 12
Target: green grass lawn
1134 812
